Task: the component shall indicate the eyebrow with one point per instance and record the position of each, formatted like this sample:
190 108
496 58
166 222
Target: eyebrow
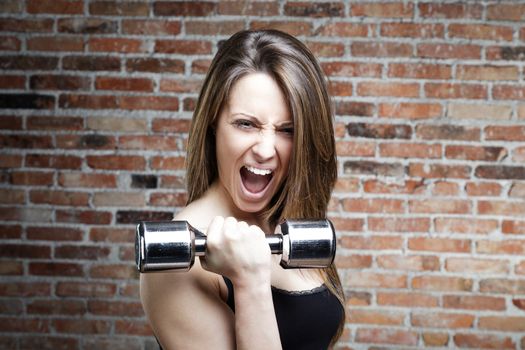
283 124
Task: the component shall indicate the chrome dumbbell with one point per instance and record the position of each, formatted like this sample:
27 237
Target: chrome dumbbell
173 245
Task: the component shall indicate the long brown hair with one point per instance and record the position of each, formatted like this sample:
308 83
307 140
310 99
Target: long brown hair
312 171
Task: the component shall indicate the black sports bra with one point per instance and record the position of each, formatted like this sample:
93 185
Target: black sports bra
307 320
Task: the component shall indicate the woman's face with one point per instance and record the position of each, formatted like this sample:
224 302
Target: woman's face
254 135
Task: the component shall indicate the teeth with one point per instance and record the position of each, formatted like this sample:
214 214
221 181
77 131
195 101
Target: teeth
256 171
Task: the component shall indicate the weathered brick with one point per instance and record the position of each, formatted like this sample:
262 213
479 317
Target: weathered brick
355 148
407 299
435 339
295 28
184 47
447 132
382 10
89 141
368 243
439 171
480 32
84 217
121 124
408 263
448 51
118 199
28 63
490 154
513 227
77 326
487 72
500 172
87 26
412 30
503 323
313 10
27 101
407 110
386 336
439 244
442 320
410 150
442 283
113 271
455 91
383 49
361 109
151 27
344 29
505 133
154 65
119 8
419 71
248 8
54 233
85 289
76 199
55 43
351 69
113 162
55 269
451 10
10 43
59 7
483 341
91 63
398 224
121 45
132 217
184 8
77 179
373 168
471 265
506 12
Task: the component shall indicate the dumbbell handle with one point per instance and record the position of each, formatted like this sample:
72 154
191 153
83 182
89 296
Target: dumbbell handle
173 245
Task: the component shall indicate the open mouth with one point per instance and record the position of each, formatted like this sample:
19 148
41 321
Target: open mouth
255 180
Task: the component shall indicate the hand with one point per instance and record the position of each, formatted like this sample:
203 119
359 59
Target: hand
238 251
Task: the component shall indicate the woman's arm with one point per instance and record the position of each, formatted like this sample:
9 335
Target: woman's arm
186 309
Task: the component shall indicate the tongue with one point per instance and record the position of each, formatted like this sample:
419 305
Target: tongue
253 182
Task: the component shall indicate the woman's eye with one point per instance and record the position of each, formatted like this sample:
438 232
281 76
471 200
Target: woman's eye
243 124
287 131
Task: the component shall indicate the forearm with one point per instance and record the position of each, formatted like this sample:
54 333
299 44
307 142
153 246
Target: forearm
255 322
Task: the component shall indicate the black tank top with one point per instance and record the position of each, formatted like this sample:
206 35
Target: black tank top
307 320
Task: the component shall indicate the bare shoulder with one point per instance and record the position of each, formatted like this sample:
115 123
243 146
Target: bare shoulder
179 305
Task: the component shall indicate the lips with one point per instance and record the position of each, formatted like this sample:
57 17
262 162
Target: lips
255 180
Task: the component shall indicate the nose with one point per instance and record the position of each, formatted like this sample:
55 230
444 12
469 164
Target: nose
264 148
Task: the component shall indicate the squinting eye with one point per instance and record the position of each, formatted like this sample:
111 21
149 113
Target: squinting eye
243 124
287 131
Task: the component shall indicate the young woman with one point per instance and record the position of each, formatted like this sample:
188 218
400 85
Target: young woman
261 149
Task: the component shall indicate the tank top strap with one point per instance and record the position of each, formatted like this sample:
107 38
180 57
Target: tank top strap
230 300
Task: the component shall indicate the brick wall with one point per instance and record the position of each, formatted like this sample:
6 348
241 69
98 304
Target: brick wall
95 103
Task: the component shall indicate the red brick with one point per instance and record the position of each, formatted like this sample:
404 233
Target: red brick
49 342
386 336
25 141
11 268
151 27
483 189
381 49
88 101
121 124
409 150
506 12
435 339
55 44
25 289
439 171
184 8
82 252
371 243
456 206
354 108
114 271
355 148
357 205
508 92
83 25
412 30
33 25
159 103
9 196
184 47
439 245
248 8
54 123
91 63
408 263
324 49
442 283
436 10
448 132
155 65
118 199
115 308
110 234
503 286
505 133
213 28
59 82
149 142
111 162
452 91
87 180
378 317
119 8
56 307
407 187
91 217
16 325
407 299
360 279
467 302
122 45
54 233
471 265
339 88
51 161
10 43
419 71
59 7
509 246
444 188
10 231
353 261
133 328
294 28
442 320
344 29
170 125
370 88
12 82
501 208
351 69
88 141
513 227
399 224
124 84
484 341
382 10
407 110
76 199
347 224
502 323
449 51
487 72
85 289
346 185
494 154
314 10
77 326
181 85
480 32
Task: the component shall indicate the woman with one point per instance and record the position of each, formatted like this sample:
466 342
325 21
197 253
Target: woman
261 149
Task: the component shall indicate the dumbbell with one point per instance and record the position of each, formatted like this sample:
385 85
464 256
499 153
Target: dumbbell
173 245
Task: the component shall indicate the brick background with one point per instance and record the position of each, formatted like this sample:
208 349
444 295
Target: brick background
95 103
